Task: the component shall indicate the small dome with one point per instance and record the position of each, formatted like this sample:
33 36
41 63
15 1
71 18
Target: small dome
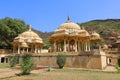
28 36
69 25
95 34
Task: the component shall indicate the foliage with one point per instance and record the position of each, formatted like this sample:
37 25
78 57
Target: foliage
118 67
27 64
47 44
10 28
61 59
13 59
119 61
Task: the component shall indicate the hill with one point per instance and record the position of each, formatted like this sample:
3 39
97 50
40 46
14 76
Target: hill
109 29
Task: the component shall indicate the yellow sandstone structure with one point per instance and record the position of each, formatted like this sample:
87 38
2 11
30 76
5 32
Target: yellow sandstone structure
70 37
27 42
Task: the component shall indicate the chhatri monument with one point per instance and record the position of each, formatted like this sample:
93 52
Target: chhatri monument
70 37
27 42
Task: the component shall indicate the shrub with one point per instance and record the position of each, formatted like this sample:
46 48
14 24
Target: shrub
118 67
13 59
27 64
119 61
61 59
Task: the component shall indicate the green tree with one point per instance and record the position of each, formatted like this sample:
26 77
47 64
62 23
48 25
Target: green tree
61 59
10 28
47 44
27 64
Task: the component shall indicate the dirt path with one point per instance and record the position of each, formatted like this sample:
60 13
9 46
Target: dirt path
7 72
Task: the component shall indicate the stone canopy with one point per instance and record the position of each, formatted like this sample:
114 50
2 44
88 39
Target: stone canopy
27 41
71 37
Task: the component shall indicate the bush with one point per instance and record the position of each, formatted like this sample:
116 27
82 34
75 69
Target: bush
119 61
118 67
13 60
27 64
61 59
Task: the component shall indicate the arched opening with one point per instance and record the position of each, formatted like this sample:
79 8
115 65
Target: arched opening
72 47
2 59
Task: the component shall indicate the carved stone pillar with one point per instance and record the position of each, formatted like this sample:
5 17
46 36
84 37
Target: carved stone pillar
18 50
64 45
75 46
55 46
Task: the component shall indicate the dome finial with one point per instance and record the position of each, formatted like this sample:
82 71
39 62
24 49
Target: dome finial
68 19
30 28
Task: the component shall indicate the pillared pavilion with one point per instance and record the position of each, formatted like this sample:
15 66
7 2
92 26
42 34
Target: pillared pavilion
27 42
71 37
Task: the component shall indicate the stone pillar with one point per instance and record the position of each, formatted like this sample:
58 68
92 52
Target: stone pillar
4 60
23 50
59 47
35 49
0 59
64 45
27 50
86 46
89 46
55 46
68 46
99 47
79 47
40 49
75 46
18 50
82 46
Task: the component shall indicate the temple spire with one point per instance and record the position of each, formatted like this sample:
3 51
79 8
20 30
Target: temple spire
68 19
30 28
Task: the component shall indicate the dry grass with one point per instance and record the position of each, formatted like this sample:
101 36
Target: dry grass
4 65
68 74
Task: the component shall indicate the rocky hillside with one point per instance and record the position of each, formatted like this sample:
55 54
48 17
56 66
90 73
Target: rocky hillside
109 29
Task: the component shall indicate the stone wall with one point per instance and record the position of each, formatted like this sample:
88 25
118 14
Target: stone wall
74 61
5 51
112 59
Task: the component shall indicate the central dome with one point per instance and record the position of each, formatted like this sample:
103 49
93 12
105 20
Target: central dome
69 25
29 34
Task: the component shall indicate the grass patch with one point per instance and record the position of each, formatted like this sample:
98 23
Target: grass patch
4 65
69 74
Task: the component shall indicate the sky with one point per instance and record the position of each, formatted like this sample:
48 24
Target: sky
48 15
